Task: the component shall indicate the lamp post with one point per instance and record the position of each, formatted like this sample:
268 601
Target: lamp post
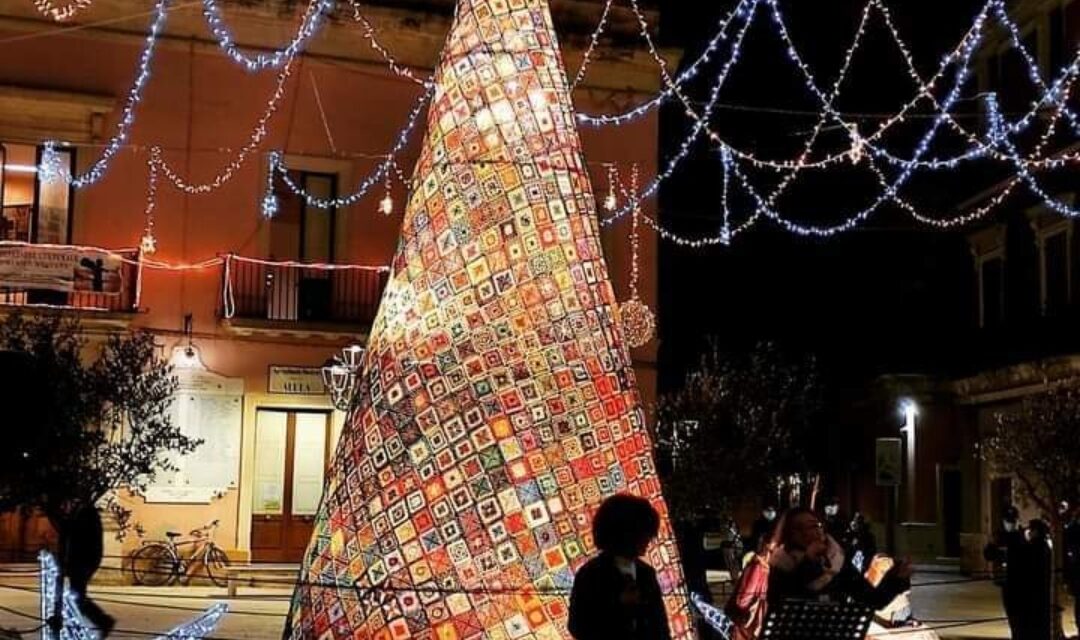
910 412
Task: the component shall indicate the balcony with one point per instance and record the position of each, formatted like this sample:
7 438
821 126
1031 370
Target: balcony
294 299
116 306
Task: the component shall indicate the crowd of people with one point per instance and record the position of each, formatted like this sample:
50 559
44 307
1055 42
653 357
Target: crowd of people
795 555
801 554
1023 559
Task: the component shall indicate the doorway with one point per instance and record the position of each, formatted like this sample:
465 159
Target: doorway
952 510
292 449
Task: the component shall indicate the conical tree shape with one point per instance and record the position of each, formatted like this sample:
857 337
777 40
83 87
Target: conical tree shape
498 406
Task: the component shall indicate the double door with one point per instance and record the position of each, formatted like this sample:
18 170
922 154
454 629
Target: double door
292 449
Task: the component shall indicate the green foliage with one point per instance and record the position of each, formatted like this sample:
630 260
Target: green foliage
84 421
736 425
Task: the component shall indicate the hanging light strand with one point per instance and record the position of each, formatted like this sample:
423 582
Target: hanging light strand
314 18
127 117
384 167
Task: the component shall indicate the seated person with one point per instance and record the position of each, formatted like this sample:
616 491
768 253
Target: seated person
811 565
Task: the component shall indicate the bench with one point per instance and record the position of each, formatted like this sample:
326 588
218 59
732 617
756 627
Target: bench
253 575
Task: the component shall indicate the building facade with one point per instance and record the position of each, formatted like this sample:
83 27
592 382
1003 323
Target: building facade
1022 309
249 308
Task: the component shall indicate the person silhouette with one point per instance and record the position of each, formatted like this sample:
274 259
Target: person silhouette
615 594
84 549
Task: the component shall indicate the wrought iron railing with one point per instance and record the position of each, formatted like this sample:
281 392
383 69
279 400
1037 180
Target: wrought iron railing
124 301
296 292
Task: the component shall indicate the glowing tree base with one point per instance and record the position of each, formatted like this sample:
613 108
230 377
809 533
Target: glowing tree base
496 405
75 627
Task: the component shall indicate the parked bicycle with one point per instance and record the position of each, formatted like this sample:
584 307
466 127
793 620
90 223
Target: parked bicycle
162 562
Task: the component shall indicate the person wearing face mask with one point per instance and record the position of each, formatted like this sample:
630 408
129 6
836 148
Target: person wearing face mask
1006 550
760 529
835 524
811 565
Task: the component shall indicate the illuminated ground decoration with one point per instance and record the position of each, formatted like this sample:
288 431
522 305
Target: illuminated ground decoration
497 406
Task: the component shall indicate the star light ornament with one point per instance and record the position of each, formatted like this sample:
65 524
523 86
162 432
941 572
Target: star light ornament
51 168
75 627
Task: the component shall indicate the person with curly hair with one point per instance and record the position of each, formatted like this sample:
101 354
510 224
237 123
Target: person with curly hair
615 594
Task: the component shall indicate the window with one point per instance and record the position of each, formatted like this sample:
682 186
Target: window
1054 271
299 231
992 291
31 211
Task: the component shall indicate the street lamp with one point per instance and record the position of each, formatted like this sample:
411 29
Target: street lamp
341 375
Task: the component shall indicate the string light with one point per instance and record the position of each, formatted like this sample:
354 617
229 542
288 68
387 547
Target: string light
741 10
696 128
62 13
51 168
638 320
269 200
386 205
373 42
148 244
313 19
127 116
594 40
611 201
373 179
256 137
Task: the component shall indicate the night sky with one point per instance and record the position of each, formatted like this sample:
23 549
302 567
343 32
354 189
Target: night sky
890 297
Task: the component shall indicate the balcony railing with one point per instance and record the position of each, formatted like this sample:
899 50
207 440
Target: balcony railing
125 301
290 292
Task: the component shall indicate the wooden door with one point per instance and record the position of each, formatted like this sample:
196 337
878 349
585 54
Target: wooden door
291 452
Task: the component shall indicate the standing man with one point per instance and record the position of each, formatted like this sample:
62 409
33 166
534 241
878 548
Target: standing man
1006 550
1072 559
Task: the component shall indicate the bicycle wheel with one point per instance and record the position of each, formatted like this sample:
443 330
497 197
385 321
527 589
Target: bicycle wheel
154 564
217 564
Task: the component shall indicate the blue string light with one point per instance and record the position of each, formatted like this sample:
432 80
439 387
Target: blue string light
962 72
312 23
695 130
127 118
277 164
740 11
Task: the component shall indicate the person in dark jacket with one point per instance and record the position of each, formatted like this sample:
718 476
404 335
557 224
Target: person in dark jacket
811 565
615 594
84 544
859 542
1004 551
1072 559
1031 568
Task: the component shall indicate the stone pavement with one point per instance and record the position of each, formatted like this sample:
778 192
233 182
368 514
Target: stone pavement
258 614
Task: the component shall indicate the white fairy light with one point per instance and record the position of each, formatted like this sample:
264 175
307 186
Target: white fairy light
314 18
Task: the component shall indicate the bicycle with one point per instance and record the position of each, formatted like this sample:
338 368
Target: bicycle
160 562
